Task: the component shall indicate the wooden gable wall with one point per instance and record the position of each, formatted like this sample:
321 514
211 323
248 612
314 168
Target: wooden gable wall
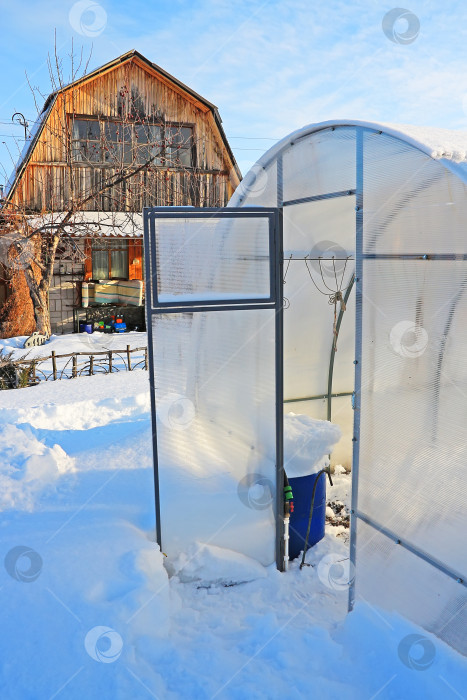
46 183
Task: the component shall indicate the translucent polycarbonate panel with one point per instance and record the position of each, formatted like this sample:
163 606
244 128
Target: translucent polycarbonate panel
212 258
412 203
342 414
215 404
259 187
308 333
308 342
320 163
309 329
344 368
393 579
413 439
321 228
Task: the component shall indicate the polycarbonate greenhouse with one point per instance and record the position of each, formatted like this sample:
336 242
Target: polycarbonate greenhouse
333 286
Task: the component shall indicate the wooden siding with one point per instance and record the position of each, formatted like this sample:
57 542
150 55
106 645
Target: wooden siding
131 91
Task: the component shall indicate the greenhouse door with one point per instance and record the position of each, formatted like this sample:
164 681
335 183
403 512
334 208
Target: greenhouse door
214 319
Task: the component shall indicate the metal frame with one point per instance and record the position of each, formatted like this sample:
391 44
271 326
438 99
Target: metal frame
358 356
320 396
274 303
412 548
174 213
319 197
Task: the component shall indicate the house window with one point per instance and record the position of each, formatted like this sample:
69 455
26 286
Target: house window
109 260
170 145
148 143
86 141
179 146
116 144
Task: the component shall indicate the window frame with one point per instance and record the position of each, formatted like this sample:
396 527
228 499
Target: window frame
114 244
164 126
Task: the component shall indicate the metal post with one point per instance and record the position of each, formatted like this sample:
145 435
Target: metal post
358 357
149 233
128 355
277 251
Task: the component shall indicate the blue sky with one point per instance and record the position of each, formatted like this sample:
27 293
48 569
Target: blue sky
270 66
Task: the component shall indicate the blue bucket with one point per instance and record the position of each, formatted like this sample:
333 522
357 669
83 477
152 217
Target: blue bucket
302 488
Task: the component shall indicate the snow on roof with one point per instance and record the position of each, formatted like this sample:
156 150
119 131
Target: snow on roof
446 145
93 223
435 142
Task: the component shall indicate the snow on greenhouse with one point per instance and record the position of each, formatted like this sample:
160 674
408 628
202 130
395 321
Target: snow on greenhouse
332 287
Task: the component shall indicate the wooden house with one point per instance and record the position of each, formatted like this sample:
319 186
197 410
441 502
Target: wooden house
117 117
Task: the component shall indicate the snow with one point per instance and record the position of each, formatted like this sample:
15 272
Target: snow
82 343
213 565
449 144
99 223
306 441
95 613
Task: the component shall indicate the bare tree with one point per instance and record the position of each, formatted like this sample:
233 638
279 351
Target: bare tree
130 160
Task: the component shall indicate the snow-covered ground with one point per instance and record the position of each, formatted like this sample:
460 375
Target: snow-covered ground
88 610
79 343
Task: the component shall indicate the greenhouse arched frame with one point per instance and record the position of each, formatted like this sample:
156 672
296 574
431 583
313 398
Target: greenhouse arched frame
333 285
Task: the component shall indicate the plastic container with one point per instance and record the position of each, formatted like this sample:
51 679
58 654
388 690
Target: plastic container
82 326
302 487
88 328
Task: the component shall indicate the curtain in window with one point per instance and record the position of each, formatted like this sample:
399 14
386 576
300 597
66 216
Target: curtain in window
119 263
100 264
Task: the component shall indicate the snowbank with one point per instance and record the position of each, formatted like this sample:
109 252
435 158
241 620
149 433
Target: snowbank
28 467
88 607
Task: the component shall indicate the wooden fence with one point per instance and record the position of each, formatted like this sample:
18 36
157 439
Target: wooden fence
75 364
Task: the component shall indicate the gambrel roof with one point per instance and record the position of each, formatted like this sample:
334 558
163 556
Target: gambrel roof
200 102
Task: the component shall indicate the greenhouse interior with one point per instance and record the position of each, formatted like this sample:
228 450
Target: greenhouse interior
319 319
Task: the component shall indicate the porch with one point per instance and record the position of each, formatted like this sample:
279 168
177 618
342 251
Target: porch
103 252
